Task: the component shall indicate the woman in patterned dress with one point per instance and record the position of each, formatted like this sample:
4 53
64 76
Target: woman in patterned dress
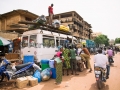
58 65
66 55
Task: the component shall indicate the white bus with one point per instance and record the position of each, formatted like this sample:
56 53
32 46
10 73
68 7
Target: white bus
41 45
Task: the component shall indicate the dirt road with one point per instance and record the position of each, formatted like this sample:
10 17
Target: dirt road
85 81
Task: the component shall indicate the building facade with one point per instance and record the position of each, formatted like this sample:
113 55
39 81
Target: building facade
10 19
96 34
79 28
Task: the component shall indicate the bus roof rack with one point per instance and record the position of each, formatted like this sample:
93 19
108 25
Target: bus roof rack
45 27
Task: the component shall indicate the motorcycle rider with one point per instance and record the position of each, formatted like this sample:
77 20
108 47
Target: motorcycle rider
110 53
101 60
104 51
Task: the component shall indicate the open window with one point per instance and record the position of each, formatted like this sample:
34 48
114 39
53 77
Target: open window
48 41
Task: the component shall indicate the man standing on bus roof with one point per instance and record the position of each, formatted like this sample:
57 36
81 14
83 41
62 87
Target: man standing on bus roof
50 12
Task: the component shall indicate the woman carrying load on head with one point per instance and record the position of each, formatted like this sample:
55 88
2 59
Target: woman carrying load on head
58 65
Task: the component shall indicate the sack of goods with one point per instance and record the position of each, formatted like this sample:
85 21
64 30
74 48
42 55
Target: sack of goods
40 20
56 23
46 74
37 75
64 28
78 58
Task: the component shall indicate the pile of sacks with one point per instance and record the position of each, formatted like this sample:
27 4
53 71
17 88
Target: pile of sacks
57 24
40 20
43 75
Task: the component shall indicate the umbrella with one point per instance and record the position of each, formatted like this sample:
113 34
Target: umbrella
4 42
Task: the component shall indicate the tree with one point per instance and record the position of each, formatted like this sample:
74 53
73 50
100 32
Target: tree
117 40
102 39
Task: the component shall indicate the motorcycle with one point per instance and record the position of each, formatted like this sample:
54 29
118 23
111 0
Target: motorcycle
110 60
16 71
80 64
100 77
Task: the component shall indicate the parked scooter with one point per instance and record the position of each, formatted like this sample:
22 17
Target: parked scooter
16 71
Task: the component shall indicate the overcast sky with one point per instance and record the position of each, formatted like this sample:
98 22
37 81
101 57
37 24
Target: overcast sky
103 15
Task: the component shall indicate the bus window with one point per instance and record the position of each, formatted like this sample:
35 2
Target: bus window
48 41
52 43
32 41
62 41
25 41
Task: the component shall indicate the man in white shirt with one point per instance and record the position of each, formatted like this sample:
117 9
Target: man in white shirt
101 60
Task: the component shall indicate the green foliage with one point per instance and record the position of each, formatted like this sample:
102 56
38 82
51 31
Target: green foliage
117 40
102 39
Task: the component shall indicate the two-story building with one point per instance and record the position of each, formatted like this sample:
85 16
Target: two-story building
10 19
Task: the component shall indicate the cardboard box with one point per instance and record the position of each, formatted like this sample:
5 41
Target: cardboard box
32 81
21 82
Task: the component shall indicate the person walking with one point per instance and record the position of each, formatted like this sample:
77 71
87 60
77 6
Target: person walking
50 12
